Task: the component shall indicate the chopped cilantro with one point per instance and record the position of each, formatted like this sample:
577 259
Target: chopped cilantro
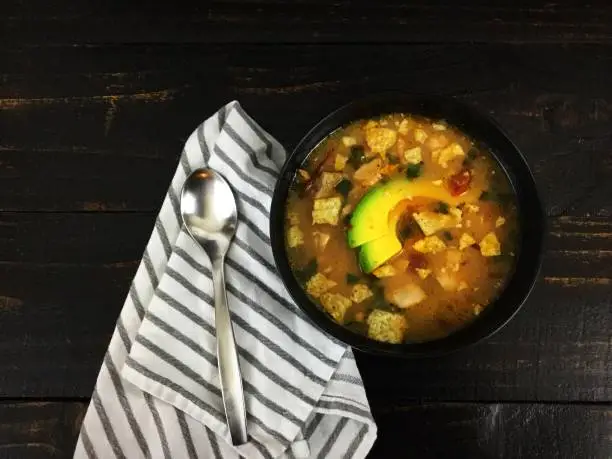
352 278
447 235
357 156
344 187
404 233
441 208
392 159
414 170
305 273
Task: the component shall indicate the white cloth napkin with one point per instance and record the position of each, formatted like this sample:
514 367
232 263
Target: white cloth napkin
158 393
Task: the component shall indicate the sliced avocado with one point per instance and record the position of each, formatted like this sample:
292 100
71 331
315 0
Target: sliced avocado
370 219
375 253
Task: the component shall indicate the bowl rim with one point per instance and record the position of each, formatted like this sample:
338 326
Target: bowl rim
531 215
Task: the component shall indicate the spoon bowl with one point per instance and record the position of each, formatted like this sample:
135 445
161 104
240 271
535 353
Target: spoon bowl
209 213
209 210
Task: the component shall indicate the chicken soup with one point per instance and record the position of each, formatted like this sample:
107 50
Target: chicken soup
401 228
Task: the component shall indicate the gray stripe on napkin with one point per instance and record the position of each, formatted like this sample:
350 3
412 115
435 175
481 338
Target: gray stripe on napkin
158 390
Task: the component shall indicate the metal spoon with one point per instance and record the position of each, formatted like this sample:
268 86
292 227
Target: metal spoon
209 213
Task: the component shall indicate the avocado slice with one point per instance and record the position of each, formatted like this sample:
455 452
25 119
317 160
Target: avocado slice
370 219
375 253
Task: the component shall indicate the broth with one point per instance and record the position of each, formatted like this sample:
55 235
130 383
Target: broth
401 228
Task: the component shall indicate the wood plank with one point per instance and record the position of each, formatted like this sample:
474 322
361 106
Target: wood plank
88 118
39 429
432 431
49 429
63 279
312 21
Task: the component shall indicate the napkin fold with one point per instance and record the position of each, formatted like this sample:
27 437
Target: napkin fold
158 391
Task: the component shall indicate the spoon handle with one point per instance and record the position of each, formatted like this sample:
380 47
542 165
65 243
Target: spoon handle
227 357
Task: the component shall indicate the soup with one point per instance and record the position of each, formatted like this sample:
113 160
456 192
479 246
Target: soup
401 228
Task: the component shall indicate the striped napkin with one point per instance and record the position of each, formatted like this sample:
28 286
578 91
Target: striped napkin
158 392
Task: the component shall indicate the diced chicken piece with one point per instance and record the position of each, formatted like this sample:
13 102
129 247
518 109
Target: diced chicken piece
336 305
446 154
380 139
386 326
462 286
340 162
295 236
431 244
327 184
369 173
319 284
360 293
472 208
466 241
385 271
293 218
447 280
431 222
408 295
490 246
327 211
423 273
499 222
420 135
437 141
405 126
349 141
437 182
453 260
439 126
320 240
413 155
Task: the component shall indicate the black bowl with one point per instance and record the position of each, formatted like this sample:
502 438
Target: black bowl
482 130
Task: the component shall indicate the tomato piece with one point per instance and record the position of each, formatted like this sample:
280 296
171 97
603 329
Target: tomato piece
417 260
460 182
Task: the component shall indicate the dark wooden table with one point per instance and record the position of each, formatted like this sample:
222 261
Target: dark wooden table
97 98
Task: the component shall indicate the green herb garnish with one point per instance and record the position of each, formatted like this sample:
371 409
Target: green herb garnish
344 187
447 235
357 156
441 208
392 159
404 233
307 271
352 278
414 170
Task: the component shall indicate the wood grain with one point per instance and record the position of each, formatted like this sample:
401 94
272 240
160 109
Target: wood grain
87 118
39 429
54 335
483 431
306 21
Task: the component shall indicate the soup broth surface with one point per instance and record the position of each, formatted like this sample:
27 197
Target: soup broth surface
401 228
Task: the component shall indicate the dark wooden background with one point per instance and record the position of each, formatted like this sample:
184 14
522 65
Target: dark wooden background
97 98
